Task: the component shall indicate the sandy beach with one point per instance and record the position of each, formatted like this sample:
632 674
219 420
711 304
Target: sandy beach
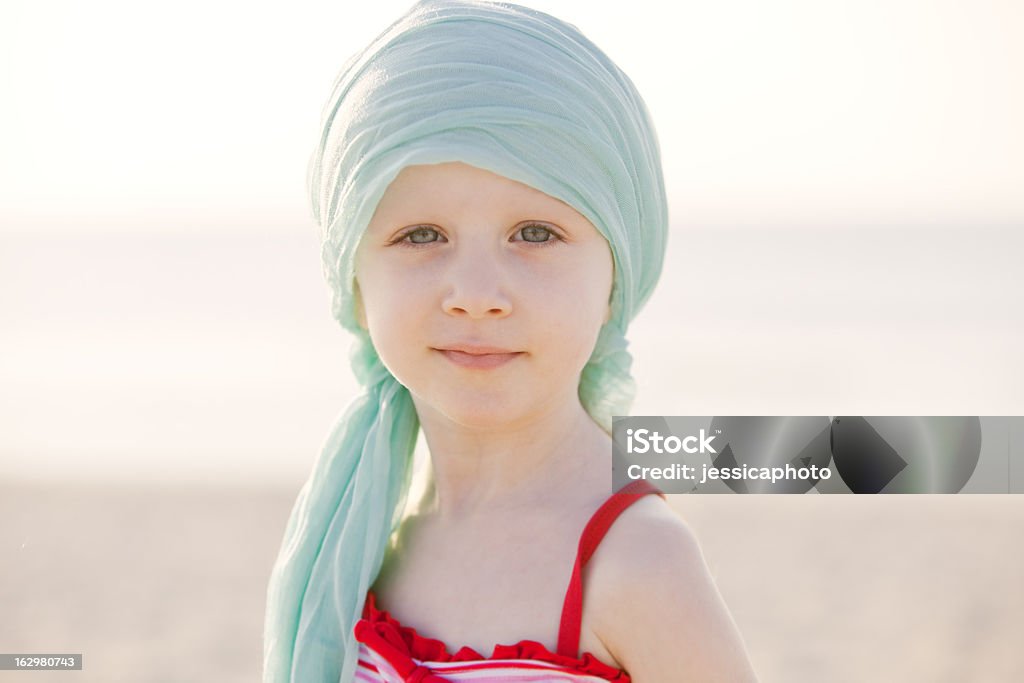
160 585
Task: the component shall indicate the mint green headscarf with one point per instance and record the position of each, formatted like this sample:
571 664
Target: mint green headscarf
503 88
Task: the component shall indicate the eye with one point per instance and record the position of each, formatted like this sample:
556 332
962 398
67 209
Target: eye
532 233
421 235
535 233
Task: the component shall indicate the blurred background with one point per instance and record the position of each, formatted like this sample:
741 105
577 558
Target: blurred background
847 216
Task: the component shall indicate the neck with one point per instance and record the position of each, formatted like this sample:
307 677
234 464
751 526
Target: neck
517 465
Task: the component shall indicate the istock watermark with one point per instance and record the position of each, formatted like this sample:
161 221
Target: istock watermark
644 441
819 454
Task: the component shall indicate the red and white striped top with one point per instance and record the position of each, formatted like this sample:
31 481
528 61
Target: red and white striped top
392 653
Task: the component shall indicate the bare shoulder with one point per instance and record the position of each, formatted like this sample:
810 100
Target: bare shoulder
654 604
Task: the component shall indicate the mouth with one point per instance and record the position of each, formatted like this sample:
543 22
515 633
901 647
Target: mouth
479 357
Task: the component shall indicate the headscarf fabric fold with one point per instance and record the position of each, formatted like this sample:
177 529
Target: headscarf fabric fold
507 89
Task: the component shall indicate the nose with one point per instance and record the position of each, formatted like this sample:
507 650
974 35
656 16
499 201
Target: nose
476 286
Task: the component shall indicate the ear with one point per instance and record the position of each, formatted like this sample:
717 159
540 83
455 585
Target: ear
360 311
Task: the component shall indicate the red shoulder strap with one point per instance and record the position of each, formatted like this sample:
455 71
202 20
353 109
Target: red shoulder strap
600 522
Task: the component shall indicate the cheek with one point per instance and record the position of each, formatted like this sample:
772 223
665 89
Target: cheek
390 314
385 289
589 285
387 303
393 329
577 305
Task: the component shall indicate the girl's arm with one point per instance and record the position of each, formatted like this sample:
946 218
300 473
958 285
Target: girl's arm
658 610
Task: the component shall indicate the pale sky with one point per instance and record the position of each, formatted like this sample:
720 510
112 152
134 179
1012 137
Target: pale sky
156 116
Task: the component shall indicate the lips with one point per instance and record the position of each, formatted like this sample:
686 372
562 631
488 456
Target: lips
478 357
475 350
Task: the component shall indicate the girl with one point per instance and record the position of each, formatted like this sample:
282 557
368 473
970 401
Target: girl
489 188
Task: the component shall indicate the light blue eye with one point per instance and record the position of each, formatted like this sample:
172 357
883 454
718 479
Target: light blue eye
421 231
537 231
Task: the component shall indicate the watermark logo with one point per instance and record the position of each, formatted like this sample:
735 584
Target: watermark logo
647 441
821 454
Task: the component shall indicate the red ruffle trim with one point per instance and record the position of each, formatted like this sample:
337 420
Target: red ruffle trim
378 628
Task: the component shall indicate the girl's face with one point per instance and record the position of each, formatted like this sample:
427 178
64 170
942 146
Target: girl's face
483 296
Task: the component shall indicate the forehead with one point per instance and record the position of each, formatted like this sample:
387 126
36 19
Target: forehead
456 186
